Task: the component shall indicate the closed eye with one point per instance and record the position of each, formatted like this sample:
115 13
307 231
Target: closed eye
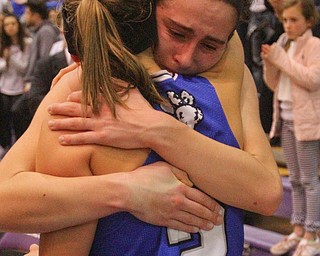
177 35
209 47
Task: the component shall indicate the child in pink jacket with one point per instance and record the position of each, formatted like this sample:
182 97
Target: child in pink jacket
292 71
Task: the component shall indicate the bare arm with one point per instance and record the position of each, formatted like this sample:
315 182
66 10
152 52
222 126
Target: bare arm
72 162
252 168
33 212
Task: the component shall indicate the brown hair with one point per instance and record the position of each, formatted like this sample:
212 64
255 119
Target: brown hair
104 59
308 9
6 40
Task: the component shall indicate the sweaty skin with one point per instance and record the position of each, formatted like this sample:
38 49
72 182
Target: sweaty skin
252 167
45 203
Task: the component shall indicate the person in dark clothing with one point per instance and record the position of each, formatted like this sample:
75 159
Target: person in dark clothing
44 35
264 27
41 84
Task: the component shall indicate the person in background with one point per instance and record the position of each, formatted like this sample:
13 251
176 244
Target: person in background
41 84
263 28
18 8
292 71
44 34
14 54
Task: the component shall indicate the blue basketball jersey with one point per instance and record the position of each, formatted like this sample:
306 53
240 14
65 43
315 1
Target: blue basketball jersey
194 102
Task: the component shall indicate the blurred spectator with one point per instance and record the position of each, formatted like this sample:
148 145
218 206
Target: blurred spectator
44 34
14 53
18 7
5 6
316 28
50 66
263 27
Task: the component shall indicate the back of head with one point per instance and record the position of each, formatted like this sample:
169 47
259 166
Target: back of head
135 21
38 6
92 36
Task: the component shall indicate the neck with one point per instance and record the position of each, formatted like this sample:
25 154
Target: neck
38 22
14 40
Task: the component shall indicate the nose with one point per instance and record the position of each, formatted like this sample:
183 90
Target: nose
184 55
287 24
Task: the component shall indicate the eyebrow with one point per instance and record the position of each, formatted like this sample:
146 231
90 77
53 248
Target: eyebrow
191 31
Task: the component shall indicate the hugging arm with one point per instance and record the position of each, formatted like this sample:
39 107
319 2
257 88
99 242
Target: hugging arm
177 205
251 167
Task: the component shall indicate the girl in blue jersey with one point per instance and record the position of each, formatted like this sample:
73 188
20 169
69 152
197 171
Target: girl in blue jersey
189 45
225 112
233 119
211 108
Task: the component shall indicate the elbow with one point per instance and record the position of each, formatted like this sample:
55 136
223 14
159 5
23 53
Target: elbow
271 201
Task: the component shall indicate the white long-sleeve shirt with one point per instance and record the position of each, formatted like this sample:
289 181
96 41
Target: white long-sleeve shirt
12 75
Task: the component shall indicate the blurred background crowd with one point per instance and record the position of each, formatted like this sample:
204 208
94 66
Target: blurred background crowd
32 51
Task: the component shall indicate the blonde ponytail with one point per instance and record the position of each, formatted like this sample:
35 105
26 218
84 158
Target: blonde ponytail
104 59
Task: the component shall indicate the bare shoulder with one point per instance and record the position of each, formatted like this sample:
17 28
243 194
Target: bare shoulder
82 160
51 157
22 156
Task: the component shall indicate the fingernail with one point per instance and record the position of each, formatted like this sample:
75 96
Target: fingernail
210 225
50 123
219 220
49 109
195 230
61 140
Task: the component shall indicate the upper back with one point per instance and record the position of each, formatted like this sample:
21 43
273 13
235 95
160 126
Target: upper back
83 160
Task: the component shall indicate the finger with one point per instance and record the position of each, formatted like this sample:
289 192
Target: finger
79 139
72 124
202 217
75 96
194 221
203 206
181 176
181 226
71 109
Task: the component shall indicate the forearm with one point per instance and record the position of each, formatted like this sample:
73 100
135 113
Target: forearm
73 241
44 203
228 174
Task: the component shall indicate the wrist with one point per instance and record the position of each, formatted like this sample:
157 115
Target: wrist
117 197
163 133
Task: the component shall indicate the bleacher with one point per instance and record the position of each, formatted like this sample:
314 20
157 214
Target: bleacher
13 244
